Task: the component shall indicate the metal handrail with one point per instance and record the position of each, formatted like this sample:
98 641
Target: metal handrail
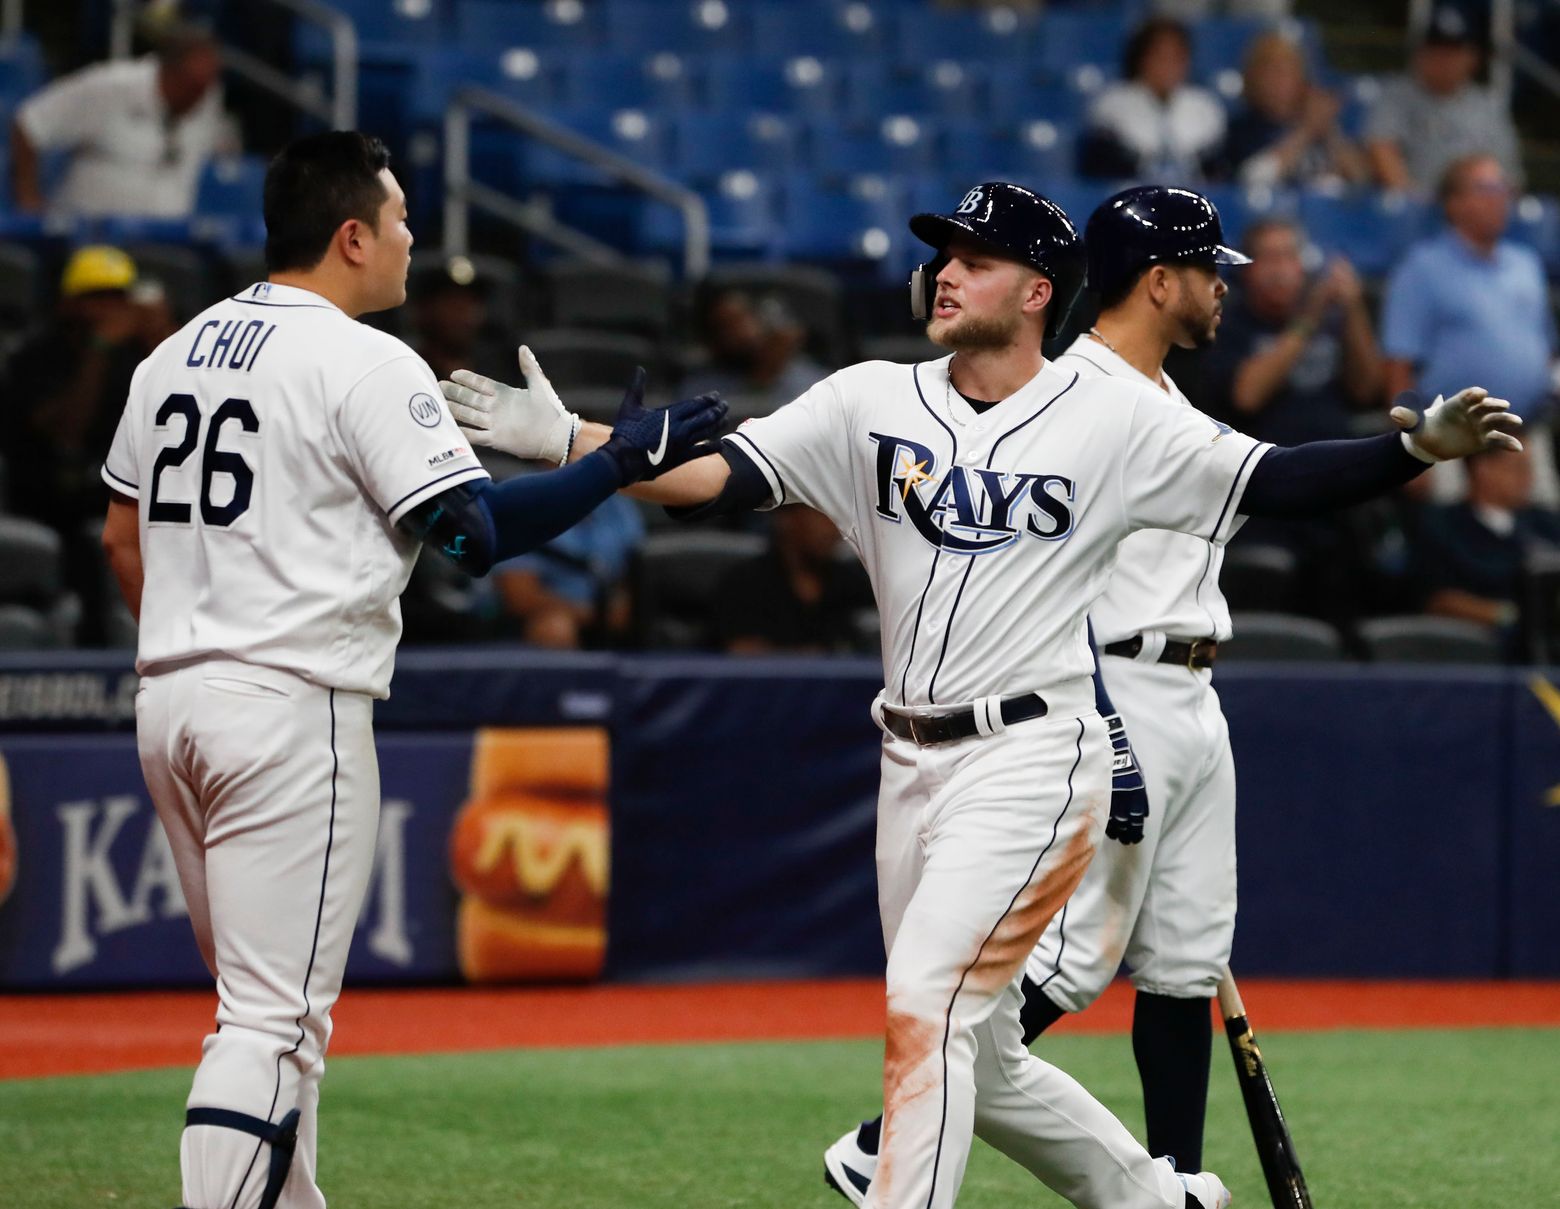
462 194
340 111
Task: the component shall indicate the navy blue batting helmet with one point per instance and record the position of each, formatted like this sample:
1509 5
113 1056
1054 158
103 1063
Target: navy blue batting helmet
1153 224
1018 224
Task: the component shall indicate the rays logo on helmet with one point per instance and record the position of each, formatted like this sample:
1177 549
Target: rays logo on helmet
971 202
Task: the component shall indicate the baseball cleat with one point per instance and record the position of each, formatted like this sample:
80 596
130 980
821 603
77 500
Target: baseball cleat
848 1169
1205 1191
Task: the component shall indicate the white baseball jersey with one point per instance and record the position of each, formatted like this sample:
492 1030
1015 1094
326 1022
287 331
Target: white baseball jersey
273 443
988 537
1165 582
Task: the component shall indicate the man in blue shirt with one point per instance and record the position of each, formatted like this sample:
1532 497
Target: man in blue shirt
1468 305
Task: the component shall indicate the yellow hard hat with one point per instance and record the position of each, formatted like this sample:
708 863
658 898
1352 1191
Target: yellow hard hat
97 267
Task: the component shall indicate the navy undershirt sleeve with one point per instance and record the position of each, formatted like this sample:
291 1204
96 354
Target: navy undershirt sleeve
477 526
1321 476
1102 701
746 488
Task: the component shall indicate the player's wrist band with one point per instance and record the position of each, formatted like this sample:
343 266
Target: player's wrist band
574 430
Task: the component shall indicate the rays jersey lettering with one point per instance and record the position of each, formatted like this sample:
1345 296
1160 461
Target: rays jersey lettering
971 511
1051 480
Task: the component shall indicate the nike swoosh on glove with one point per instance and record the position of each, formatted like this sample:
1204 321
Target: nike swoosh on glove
646 442
1128 793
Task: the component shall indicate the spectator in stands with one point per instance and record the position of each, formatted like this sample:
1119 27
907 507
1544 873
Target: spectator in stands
801 595
756 354
64 389
1423 122
450 322
1295 359
1473 551
136 133
1468 305
1286 132
573 592
1153 124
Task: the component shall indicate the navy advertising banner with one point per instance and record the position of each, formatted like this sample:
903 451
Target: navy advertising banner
575 817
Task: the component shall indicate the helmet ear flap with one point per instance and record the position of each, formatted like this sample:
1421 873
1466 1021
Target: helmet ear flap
923 286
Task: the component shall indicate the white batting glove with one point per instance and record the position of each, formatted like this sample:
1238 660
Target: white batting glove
527 421
1471 421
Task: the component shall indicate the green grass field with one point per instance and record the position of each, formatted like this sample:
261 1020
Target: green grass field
1443 1120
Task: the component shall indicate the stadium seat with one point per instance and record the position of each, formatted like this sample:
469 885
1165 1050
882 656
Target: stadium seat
1019 93
31 567
687 27
744 213
1066 40
383 29
1535 221
497 25
1372 229
853 30
182 274
1219 44
25 629
813 295
1279 636
802 84
638 134
21 284
232 185
706 146
1045 151
575 357
863 223
676 576
1258 577
891 146
615 80
634 298
1418 639
969 152
946 88
22 70
520 74
906 350
925 34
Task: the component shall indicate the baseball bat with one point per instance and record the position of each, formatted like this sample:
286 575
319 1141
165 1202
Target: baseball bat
1275 1148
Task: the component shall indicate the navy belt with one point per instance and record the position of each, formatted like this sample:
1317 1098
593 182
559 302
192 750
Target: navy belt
1199 652
928 730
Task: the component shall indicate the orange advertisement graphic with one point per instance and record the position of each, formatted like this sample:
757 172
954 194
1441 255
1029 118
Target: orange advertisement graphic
529 852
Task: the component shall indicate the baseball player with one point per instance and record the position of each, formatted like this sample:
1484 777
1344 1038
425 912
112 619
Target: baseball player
277 468
986 494
1166 904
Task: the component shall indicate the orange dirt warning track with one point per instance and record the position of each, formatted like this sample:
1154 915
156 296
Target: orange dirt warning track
90 1033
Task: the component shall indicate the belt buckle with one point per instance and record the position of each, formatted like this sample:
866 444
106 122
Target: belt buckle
1193 648
915 731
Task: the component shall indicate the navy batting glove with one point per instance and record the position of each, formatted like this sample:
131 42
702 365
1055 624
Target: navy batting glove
1128 794
648 441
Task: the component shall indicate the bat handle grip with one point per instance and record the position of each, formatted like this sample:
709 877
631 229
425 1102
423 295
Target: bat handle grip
1230 1005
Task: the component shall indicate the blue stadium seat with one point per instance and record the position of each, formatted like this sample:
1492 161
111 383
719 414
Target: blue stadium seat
1017 93
892 146
986 35
494 25
22 70
972 151
853 30
615 80
1373 230
1066 40
1044 150
744 212
708 145
1535 221
521 74
384 31
232 185
864 223
1219 43
797 85
683 26
945 88
640 135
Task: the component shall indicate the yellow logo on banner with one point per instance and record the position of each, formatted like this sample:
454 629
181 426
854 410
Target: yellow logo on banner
1549 697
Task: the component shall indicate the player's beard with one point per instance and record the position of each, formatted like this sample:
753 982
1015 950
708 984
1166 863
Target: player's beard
1198 329
966 333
